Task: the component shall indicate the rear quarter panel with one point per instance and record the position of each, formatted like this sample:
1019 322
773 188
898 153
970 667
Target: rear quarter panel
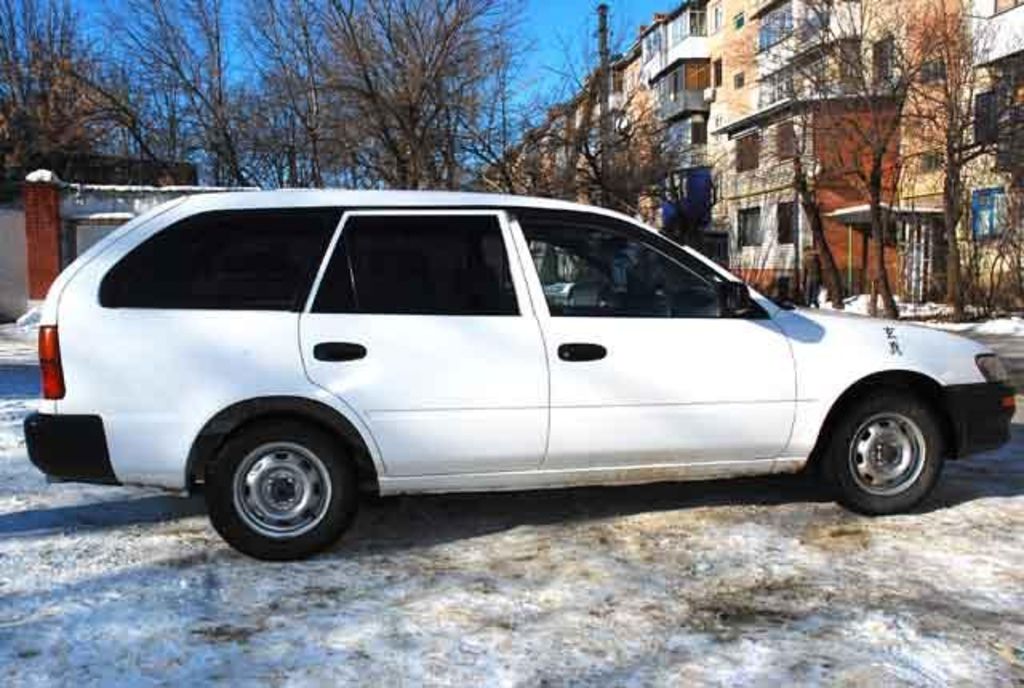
157 376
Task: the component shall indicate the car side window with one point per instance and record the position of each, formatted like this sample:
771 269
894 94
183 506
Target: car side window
419 265
225 260
592 271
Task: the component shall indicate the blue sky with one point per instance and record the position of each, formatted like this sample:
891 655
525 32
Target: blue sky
556 29
552 25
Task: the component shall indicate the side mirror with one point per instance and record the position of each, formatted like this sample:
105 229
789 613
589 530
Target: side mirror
734 299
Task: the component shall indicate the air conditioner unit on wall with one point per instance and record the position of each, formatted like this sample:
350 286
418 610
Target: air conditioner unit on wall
709 94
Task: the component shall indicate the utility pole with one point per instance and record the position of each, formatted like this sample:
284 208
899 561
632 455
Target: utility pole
604 77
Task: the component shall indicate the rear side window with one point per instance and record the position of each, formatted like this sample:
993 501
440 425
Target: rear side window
230 260
419 265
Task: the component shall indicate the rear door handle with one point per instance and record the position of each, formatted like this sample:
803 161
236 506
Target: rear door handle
338 351
581 352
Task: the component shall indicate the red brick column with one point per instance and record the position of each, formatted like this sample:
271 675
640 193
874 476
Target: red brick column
42 235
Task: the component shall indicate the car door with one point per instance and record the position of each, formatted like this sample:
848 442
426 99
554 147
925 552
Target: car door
644 371
421 327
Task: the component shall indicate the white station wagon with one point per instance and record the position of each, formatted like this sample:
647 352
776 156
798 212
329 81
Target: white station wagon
287 350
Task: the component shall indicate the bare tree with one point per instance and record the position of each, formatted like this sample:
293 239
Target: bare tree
184 45
43 109
413 73
944 113
289 45
868 56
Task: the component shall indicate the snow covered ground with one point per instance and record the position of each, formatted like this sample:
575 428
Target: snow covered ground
938 315
741 582
17 345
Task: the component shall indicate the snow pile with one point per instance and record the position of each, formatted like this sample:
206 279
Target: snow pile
860 303
29 321
18 341
1000 327
937 315
42 177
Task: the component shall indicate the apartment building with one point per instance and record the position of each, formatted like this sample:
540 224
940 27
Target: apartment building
676 68
757 98
779 68
783 71
998 197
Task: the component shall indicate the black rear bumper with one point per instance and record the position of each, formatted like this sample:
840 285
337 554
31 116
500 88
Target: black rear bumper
981 415
69 448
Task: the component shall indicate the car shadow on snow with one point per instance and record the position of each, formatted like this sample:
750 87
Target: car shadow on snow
19 381
414 521
100 515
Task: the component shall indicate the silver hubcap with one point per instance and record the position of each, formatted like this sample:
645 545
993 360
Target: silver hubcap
887 454
282 490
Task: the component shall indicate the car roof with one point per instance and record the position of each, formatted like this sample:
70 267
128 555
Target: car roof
378 199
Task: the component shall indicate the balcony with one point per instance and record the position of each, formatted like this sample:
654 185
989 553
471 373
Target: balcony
681 103
1001 34
760 7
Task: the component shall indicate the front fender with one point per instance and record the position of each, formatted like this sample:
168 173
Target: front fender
833 352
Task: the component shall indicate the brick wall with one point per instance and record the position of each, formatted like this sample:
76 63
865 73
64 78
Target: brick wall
42 236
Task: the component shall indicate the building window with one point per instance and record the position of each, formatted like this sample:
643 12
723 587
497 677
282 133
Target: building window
738 21
933 71
748 152
716 73
785 222
988 212
698 75
776 87
785 140
677 31
698 133
851 64
931 162
716 18
882 53
986 118
776 26
748 227
738 80
816 20
698 22
652 44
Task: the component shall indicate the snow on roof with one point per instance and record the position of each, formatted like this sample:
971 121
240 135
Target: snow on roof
101 218
144 189
49 177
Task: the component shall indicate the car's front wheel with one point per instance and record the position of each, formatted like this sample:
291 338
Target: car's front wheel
885 453
281 490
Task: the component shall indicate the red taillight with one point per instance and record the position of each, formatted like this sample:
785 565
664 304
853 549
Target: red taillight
49 363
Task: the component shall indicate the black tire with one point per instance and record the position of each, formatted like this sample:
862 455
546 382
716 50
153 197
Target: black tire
335 503
844 466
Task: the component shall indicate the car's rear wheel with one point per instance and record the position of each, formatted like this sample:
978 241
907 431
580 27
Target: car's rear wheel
885 453
281 490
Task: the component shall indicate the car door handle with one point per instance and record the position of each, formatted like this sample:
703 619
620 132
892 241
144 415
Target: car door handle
338 351
581 352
